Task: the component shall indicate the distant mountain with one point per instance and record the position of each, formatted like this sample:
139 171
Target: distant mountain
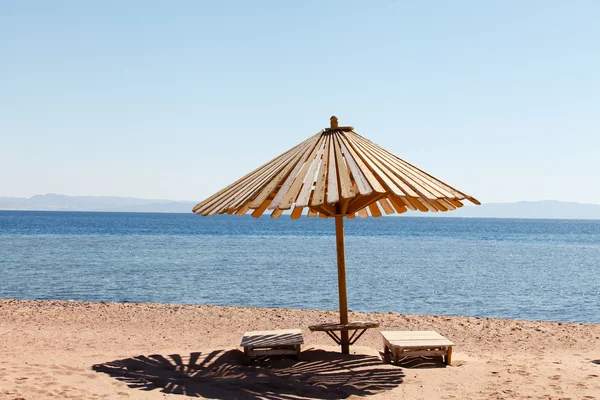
550 209
523 209
59 202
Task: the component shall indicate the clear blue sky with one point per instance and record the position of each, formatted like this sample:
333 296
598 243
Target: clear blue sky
177 99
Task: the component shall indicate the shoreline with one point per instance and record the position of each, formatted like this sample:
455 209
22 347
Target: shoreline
50 349
9 300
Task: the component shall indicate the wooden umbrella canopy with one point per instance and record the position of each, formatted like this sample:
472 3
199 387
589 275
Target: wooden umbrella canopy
335 173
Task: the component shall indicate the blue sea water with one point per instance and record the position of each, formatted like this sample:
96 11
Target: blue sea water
509 268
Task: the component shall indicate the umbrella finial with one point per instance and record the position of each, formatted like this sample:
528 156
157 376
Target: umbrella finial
334 122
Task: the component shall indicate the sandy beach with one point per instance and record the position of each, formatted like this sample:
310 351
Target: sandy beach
77 350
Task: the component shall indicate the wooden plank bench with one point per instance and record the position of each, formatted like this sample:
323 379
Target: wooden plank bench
415 344
270 343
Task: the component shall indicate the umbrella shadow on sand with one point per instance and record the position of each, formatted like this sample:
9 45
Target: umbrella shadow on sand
222 374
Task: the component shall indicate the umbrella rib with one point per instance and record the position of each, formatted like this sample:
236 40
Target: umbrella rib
325 209
307 187
288 199
359 178
292 175
247 192
409 175
276 213
362 213
261 209
430 185
228 200
373 166
385 204
363 201
402 183
245 178
319 192
468 197
398 204
414 203
272 179
373 181
375 211
422 194
268 190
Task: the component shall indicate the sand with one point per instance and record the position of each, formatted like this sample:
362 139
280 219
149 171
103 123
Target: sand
77 350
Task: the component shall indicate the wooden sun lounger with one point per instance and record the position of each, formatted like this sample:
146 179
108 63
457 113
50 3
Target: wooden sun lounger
415 344
270 343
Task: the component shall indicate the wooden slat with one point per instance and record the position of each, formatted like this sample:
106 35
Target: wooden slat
427 205
242 210
260 210
362 202
244 191
388 169
412 178
449 206
398 205
287 337
408 166
374 166
346 189
438 205
289 198
393 335
362 213
248 177
473 200
411 204
332 180
421 343
455 203
319 192
361 182
307 187
387 207
296 213
292 177
375 211
406 184
457 193
283 174
373 181
276 213
311 213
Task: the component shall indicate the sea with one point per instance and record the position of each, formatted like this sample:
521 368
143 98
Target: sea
530 269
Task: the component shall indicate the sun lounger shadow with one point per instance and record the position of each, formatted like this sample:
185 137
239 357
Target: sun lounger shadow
222 374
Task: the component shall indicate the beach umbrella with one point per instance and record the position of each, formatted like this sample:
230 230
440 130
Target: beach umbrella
336 173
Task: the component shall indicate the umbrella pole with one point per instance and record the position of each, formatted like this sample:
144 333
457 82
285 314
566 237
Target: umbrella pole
341 261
